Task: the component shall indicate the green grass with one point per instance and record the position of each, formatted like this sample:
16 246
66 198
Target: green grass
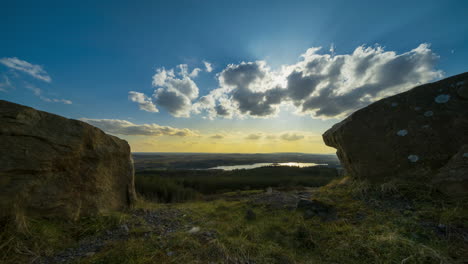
44 237
390 223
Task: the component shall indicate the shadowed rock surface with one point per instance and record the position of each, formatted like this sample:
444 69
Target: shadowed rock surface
412 134
52 166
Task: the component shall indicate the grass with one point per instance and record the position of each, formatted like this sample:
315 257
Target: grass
390 223
44 237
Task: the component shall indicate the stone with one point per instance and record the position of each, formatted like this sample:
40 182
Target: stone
452 178
55 167
194 230
370 144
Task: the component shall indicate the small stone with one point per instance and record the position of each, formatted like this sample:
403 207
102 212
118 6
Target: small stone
269 190
394 104
428 113
413 158
402 133
194 230
442 98
170 254
417 108
90 254
465 155
425 126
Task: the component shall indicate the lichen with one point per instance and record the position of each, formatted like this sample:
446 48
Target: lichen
442 98
413 158
428 113
402 133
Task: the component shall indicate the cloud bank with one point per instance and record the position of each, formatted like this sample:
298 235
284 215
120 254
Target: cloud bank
123 127
321 85
35 71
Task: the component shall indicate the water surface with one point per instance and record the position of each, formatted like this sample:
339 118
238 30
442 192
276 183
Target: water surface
258 165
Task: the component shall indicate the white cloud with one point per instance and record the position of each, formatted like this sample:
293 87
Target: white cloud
38 92
175 91
35 71
208 66
123 127
320 85
5 84
144 102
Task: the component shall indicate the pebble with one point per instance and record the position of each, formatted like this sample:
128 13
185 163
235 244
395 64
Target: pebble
194 230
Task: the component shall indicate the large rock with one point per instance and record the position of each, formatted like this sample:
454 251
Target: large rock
51 166
412 134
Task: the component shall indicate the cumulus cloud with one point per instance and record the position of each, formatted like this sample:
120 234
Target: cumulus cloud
35 71
144 102
253 136
175 91
123 127
320 85
291 137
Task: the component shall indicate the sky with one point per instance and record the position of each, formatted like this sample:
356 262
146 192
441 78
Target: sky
223 76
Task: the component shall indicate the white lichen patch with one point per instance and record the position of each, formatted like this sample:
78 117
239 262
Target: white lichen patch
465 155
428 113
442 98
394 104
402 133
413 158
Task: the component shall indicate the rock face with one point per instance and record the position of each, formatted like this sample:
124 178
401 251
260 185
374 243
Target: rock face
51 166
411 134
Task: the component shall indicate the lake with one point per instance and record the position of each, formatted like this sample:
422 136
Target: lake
258 165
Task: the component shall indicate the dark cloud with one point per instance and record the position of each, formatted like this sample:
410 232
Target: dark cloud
322 85
254 137
291 137
174 102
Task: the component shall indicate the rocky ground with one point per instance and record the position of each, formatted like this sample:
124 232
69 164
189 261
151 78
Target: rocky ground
165 221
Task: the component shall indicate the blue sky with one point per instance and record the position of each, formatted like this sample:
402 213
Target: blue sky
96 52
